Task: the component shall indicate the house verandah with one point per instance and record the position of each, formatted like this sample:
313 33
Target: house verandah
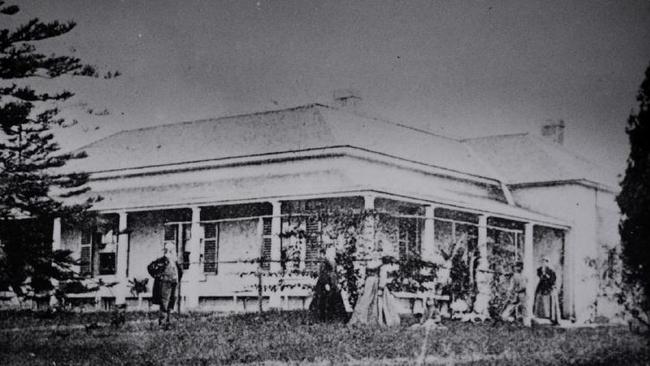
228 249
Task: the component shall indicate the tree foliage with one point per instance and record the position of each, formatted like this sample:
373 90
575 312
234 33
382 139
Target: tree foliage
32 181
634 202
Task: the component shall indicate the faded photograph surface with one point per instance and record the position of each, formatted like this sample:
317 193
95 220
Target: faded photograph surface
324 182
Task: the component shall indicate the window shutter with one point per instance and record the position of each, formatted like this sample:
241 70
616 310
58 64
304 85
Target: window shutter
185 253
312 229
417 237
210 248
402 237
266 243
86 255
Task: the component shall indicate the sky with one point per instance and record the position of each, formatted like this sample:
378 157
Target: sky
457 68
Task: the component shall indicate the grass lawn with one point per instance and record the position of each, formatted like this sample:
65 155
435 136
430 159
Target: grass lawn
292 336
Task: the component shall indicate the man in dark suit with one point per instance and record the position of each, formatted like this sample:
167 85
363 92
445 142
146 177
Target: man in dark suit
166 272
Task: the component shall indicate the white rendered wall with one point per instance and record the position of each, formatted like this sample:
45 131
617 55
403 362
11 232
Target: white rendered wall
578 205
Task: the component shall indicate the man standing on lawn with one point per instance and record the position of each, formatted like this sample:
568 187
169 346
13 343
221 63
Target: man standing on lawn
166 273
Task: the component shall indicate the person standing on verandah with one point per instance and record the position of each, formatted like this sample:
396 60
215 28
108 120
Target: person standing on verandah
166 272
515 309
546 302
376 305
327 303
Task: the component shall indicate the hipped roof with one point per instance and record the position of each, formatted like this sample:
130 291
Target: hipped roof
297 129
512 159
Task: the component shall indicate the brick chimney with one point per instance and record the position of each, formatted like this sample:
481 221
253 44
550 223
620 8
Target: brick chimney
553 131
348 99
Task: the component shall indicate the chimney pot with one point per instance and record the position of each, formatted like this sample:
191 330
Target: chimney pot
347 99
554 131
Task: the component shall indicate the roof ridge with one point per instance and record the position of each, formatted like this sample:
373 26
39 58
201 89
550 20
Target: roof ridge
387 121
546 145
497 135
550 145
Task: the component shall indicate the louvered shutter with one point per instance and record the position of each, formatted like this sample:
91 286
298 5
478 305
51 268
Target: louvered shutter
402 240
313 229
86 255
266 243
210 248
187 229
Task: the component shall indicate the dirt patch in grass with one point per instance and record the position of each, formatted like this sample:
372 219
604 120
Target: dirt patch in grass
294 337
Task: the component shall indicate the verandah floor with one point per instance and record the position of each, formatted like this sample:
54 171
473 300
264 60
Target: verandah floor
204 339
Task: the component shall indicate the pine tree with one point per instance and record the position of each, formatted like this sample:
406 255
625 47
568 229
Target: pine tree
634 202
32 184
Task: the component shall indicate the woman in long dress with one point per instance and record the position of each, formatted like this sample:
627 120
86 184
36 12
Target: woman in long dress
545 305
376 305
327 303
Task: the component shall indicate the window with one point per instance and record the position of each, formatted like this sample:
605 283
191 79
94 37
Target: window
294 243
409 237
170 233
106 263
210 248
507 246
179 242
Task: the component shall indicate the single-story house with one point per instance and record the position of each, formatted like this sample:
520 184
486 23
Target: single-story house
226 191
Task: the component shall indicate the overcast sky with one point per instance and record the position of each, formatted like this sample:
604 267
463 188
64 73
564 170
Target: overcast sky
459 68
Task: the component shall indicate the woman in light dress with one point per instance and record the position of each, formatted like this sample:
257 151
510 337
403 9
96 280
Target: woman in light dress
376 305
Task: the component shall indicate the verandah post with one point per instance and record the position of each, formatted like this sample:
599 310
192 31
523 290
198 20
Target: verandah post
482 276
56 245
428 235
194 270
369 224
529 271
260 292
122 258
276 228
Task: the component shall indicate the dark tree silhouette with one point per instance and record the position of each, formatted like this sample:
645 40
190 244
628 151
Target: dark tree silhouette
32 181
634 201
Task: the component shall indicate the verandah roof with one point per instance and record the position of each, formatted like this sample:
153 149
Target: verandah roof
305 186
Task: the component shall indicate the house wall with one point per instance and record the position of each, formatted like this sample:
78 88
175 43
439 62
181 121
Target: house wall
581 206
608 216
145 242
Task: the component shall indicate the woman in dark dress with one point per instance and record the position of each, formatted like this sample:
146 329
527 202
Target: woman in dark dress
545 304
327 303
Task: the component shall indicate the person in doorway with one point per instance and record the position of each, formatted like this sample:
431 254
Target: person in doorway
327 303
515 309
545 296
166 272
376 305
